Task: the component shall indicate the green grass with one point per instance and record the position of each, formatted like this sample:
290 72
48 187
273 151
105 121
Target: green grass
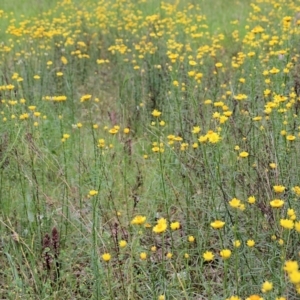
29 8
171 117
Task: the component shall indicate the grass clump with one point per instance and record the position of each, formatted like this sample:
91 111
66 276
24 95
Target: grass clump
150 150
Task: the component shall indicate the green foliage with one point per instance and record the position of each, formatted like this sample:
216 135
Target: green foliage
149 150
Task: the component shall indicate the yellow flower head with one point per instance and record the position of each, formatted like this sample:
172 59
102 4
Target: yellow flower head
153 248
294 277
287 223
266 286
161 226
236 243
291 266
106 257
297 226
138 220
251 200
113 130
156 113
175 225
208 256
250 243
277 203
122 243
290 137
254 297
225 253
85 98
296 190
278 188
213 137
196 129
240 97
217 224
191 239
93 192
235 203
244 154
64 60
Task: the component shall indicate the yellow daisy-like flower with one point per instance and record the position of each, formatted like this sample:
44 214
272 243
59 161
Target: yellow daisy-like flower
250 243
203 138
138 220
251 200
85 98
266 286
196 129
291 266
217 224
278 188
64 60
156 113
161 226
93 192
297 226
213 137
254 297
296 190
191 239
294 277
208 256
236 243
122 243
277 203
274 70
244 154
225 253
290 137
287 223
113 131
106 257
175 225
235 203
143 256
153 248
240 97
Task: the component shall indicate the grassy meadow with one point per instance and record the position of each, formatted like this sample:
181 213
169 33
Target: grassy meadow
150 149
